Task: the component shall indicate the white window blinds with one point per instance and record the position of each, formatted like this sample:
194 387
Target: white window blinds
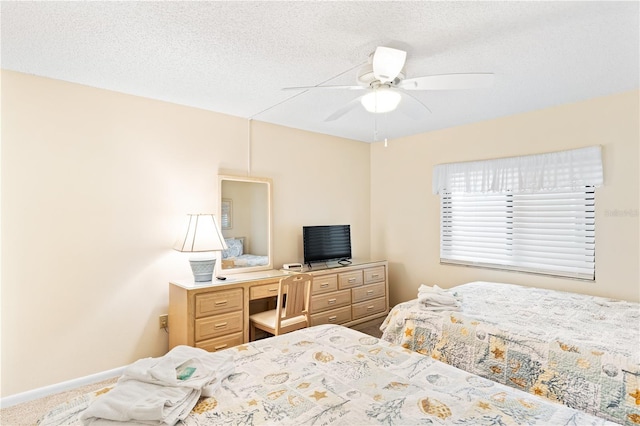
536 228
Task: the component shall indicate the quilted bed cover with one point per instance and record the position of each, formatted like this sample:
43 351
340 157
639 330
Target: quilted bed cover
332 375
579 350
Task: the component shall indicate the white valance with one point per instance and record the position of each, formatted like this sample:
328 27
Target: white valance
541 172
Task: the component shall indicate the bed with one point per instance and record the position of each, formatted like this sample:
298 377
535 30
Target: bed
235 257
331 374
578 350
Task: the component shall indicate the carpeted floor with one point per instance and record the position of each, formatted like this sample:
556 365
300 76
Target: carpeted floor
28 413
371 328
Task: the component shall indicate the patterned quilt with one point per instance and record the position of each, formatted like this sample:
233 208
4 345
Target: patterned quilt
582 351
332 375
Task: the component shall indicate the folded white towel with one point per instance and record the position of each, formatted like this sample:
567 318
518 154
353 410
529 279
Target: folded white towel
137 402
161 391
437 299
425 289
183 366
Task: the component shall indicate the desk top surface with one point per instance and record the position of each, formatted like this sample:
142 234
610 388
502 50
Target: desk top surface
189 284
323 266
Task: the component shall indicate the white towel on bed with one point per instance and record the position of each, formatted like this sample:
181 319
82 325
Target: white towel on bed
437 299
161 391
200 369
135 402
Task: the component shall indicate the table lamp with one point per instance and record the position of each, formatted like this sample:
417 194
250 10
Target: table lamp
201 235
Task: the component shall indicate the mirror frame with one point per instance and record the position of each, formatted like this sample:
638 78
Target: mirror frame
269 183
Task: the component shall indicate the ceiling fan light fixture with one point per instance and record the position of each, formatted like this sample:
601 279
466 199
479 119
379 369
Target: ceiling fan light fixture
381 100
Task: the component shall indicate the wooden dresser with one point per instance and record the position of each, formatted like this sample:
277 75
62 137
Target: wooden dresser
215 315
349 295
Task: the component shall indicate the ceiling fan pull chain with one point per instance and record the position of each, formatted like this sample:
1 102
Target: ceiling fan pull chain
386 125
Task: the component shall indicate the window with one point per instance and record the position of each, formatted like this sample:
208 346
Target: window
226 214
533 214
544 232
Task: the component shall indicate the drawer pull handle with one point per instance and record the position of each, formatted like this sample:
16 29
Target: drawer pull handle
351 280
324 285
217 348
370 307
369 292
333 318
273 289
222 324
331 301
375 275
221 302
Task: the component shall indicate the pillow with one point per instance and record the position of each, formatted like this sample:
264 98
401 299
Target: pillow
235 248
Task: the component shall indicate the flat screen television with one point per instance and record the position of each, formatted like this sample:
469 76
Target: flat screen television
325 243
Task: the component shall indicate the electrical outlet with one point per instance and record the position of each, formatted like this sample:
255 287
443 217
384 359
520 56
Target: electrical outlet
164 321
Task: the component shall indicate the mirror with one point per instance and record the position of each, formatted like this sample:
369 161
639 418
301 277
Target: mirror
245 221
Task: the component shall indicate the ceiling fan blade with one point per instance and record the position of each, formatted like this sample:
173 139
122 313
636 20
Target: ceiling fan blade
448 82
387 63
409 104
324 87
353 104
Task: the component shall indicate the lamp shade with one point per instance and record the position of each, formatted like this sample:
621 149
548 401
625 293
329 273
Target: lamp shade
200 233
381 99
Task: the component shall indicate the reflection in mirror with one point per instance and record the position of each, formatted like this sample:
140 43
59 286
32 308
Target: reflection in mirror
245 219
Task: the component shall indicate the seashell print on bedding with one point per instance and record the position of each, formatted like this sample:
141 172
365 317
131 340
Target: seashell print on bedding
393 387
570 348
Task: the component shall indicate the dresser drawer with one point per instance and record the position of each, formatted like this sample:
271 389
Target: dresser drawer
373 275
220 343
263 291
367 308
328 301
218 302
219 325
349 279
371 291
334 316
324 284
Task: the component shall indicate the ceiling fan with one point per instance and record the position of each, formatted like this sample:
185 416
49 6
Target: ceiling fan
383 77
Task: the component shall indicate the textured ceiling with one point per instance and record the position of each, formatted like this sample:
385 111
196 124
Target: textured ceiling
235 57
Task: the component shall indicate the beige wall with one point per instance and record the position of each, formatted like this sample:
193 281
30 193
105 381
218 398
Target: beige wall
95 185
405 214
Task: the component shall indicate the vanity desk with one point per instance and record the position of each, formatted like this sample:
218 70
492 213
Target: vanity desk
215 315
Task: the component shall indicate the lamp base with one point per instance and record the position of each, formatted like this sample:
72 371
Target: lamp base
202 269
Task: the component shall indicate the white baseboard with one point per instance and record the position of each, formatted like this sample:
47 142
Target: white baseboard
27 396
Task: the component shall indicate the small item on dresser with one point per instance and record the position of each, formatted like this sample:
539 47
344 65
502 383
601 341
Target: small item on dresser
221 278
292 266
